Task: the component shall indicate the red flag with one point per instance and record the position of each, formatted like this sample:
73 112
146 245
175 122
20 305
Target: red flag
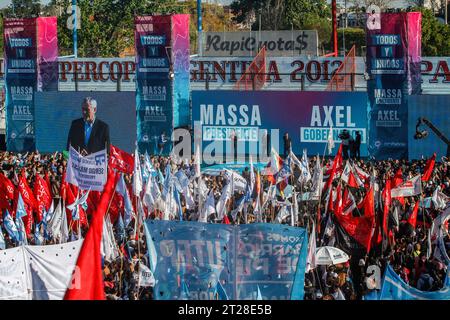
429 168
338 202
26 192
116 207
43 195
6 193
49 185
87 282
121 160
387 204
360 228
331 200
63 189
6 187
225 219
412 220
337 163
397 179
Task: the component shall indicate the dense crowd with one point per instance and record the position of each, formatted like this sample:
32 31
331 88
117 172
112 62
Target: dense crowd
408 249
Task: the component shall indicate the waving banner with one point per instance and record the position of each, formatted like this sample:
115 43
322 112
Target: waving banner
199 261
87 173
121 160
394 288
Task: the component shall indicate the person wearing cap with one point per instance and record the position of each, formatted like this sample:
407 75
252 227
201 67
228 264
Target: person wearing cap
88 134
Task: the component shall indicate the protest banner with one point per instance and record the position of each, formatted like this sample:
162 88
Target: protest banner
87 173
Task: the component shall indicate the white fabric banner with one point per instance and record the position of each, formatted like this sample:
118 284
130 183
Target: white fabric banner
37 272
411 187
89 172
146 278
237 181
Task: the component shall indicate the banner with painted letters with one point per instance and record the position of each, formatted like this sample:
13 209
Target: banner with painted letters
248 43
251 116
199 261
393 65
89 172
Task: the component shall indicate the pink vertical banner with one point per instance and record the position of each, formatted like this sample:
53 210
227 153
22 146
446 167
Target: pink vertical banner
47 54
414 51
180 59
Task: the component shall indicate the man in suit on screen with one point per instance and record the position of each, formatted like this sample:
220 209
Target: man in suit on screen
88 134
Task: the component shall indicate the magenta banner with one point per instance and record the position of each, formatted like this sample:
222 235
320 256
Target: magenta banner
181 82
162 79
31 52
47 54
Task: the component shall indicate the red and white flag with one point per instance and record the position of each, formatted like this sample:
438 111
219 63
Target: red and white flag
409 188
121 160
350 177
349 203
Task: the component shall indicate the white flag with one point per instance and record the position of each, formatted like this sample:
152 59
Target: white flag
221 205
410 187
137 175
330 141
349 203
54 225
282 214
108 247
64 226
306 175
146 278
439 199
311 259
237 182
197 161
317 181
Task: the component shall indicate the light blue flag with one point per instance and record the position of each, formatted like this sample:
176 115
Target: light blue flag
160 177
394 288
148 166
2 240
167 182
120 227
38 238
11 227
176 195
21 211
76 214
22 239
145 172
221 291
184 290
259 295
128 207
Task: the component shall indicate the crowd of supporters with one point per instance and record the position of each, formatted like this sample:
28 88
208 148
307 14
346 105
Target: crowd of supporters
406 246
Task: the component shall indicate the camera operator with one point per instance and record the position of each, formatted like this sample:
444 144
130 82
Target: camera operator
345 138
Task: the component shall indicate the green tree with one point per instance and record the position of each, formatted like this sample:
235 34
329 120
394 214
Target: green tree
285 15
107 26
22 9
435 35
